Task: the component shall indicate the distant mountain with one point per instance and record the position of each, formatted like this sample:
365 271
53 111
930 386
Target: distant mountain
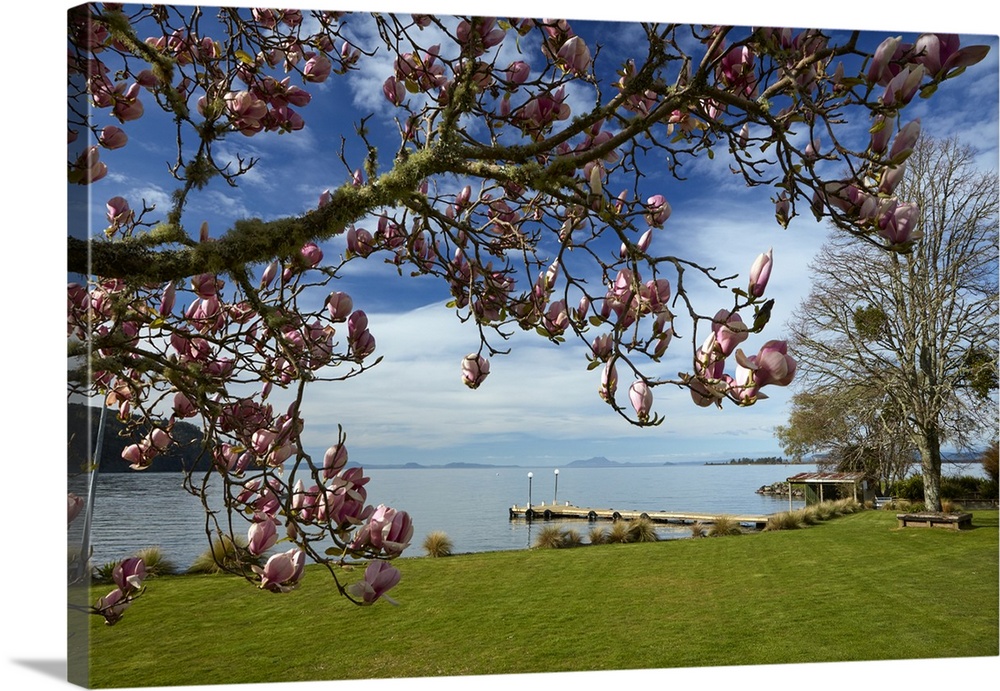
472 465
602 462
182 455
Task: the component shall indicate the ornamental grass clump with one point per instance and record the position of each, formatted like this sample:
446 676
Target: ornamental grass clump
698 529
786 520
225 555
618 532
724 525
811 515
438 544
642 530
572 538
597 535
103 573
156 562
557 537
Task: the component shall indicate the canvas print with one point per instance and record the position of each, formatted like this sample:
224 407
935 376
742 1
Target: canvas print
419 346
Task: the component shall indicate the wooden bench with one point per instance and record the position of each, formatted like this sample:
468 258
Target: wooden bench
930 519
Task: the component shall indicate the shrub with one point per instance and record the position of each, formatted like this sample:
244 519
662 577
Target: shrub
438 544
698 529
597 536
156 563
224 555
103 573
571 538
965 487
844 506
724 525
642 530
557 537
810 515
826 510
618 532
786 520
911 488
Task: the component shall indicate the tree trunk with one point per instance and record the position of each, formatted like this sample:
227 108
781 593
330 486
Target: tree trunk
929 445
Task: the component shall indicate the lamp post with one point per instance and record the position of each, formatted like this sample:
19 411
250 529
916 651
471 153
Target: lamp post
530 475
555 495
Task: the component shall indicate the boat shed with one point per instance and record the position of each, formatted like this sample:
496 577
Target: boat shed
813 485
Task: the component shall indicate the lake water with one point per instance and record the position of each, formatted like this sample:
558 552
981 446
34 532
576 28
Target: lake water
471 505
135 510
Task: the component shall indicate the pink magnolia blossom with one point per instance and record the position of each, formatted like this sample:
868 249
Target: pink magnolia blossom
903 87
387 531
770 366
359 242
881 133
394 90
518 71
890 179
334 460
480 35
541 111
555 321
897 222
641 397
119 212
262 534
902 146
112 606
311 254
729 331
738 71
880 70
129 574
760 272
602 346
282 572
88 167
658 210
609 382
317 68
127 104
379 578
940 53
159 439
359 338
247 112
574 55
339 305
113 137
475 369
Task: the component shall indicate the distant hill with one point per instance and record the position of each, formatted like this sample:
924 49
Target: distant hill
602 462
182 455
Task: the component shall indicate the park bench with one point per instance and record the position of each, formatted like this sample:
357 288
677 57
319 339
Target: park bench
930 519
882 502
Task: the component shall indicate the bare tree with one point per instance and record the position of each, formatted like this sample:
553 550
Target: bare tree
854 426
919 326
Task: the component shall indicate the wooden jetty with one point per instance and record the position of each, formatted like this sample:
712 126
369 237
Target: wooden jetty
550 512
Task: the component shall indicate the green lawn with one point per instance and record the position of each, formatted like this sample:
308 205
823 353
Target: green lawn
854 588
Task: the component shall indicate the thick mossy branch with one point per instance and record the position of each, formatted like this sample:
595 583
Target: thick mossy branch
250 241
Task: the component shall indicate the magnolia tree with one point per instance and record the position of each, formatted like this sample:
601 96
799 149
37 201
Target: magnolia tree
535 215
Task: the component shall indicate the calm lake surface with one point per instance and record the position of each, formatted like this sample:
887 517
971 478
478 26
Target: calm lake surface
136 510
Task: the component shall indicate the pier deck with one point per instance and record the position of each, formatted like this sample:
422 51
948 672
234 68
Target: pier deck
557 511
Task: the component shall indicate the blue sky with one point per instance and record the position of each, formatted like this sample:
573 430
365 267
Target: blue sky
539 405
